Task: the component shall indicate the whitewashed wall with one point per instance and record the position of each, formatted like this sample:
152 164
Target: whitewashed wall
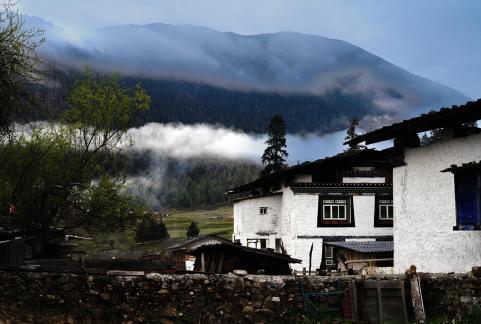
305 211
425 211
363 180
249 224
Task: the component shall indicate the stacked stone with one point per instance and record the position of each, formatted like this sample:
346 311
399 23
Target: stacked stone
161 298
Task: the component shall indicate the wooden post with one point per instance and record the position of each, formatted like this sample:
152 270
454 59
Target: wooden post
379 303
221 262
353 296
416 295
202 262
310 258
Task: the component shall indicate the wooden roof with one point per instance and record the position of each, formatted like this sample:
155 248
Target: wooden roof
464 167
367 156
233 248
445 117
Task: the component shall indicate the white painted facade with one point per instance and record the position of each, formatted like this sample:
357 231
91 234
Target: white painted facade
250 224
292 219
425 209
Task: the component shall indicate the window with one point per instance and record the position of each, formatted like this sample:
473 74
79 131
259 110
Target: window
329 252
335 211
386 209
384 212
262 210
329 255
257 243
468 193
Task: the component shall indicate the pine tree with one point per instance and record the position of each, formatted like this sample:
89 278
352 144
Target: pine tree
192 230
351 134
274 157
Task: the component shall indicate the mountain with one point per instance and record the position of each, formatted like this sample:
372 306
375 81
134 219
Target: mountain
197 74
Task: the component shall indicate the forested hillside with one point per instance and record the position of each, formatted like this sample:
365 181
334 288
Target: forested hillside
179 183
250 111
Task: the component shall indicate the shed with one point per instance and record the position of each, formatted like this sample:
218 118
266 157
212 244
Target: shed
227 257
354 255
179 252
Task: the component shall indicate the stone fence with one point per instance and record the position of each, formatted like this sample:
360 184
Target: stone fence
199 298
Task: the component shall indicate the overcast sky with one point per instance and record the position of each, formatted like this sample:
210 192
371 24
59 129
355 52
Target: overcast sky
438 39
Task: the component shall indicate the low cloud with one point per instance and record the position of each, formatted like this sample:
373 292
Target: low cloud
202 140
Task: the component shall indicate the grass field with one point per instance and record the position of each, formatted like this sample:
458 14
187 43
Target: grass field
210 220
122 244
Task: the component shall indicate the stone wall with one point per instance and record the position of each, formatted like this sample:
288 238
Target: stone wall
155 298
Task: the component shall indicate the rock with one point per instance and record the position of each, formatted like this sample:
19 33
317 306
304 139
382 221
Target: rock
166 321
163 291
248 309
257 304
476 271
169 312
266 313
240 273
153 275
243 302
466 299
105 296
275 299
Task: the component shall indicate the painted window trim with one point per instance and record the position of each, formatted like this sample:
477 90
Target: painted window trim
331 213
457 177
349 221
378 221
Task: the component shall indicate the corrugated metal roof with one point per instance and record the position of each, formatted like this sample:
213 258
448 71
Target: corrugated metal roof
366 247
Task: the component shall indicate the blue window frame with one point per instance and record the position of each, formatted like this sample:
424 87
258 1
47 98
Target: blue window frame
468 193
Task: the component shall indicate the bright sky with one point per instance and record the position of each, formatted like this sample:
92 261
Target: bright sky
438 39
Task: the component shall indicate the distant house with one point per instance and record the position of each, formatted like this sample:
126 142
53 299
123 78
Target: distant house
347 197
180 252
227 257
436 189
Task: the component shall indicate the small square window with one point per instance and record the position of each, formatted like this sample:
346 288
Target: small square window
262 210
257 243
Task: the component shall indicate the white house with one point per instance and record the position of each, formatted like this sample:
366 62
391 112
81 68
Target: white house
436 190
345 198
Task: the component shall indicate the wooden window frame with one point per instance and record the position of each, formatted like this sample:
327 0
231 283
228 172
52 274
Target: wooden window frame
347 221
258 242
381 202
458 177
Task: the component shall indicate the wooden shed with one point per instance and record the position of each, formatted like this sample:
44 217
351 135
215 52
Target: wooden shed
227 257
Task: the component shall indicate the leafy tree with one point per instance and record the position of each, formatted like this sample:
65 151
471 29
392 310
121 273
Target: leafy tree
150 229
69 175
351 134
192 230
19 63
274 157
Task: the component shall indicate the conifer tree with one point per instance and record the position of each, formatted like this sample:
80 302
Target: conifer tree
274 157
351 134
192 230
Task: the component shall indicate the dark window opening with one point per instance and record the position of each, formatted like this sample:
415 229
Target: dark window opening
257 243
468 194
